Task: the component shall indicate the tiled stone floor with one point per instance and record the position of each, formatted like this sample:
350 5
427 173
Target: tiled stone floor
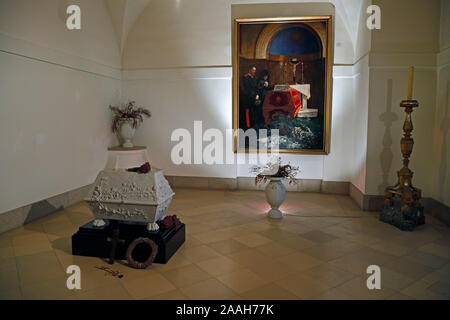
319 250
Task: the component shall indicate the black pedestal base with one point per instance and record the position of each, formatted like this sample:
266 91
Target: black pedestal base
96 241
405 221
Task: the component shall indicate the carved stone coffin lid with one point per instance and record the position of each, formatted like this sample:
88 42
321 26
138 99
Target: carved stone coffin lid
123 187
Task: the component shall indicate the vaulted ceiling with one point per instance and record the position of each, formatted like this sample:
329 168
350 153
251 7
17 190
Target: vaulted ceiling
124 14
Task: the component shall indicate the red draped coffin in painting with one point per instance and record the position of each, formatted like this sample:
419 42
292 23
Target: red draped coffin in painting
287 102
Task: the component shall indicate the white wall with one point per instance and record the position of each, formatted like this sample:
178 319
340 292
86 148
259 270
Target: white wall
43 23
360 99
363 35
444 31
360 123
55 86
407 26
440 134
194 33
177 62
409 36
441 140
176 98
338 164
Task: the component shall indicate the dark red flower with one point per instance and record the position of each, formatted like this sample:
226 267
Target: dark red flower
145 168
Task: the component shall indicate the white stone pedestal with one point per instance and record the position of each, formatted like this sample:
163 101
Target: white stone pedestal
125 158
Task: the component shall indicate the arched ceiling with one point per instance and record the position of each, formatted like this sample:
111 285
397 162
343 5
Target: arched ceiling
124 14
350 12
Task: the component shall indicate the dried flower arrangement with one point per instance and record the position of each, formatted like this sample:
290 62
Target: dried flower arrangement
274 169
128 112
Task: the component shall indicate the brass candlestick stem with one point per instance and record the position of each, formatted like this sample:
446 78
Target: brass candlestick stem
404 188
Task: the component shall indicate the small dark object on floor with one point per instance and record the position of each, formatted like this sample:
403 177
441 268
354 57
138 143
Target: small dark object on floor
111 272
145 168
405 221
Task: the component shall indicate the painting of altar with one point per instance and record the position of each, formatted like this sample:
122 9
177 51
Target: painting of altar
281 80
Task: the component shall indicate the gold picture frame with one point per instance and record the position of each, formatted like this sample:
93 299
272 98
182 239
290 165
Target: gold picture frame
321 28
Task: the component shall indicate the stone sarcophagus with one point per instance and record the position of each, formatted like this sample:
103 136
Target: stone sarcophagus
130 196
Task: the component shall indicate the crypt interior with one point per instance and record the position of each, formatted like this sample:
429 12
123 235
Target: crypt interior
175 58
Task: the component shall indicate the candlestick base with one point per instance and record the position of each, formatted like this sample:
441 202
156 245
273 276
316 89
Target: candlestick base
404 220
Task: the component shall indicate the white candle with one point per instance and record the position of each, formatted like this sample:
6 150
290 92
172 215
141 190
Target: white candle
410 82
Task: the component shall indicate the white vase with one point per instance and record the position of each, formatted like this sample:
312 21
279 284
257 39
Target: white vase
275 195
127 133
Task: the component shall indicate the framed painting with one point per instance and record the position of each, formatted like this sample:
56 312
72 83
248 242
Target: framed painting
282 80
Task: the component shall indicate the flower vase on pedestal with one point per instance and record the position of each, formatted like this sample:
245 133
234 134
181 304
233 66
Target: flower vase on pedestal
127 133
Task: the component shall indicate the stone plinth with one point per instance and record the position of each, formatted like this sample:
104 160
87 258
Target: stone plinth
124 158
91 240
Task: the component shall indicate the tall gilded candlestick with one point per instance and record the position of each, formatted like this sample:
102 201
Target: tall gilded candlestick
402 206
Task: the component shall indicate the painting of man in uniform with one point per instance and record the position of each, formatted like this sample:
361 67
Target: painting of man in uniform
281 70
